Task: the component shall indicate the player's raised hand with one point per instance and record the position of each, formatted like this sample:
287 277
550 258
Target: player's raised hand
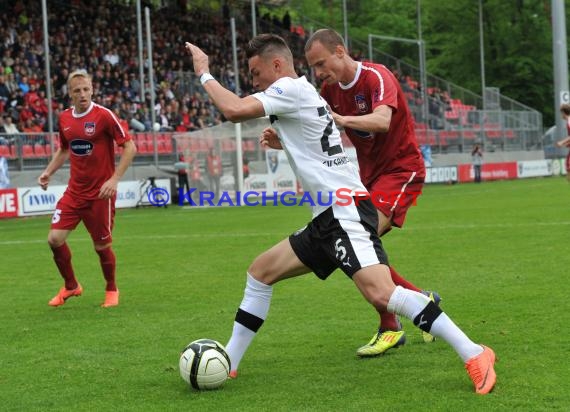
270 139
199 58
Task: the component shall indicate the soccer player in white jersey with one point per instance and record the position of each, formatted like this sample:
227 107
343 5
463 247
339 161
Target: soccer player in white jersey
342 235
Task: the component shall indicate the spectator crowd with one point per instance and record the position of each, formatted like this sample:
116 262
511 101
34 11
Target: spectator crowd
101 37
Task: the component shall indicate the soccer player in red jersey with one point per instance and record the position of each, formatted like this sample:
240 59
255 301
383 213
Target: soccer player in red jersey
87 133
367 101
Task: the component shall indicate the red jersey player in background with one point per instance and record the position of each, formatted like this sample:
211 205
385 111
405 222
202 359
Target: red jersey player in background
367 101
87 133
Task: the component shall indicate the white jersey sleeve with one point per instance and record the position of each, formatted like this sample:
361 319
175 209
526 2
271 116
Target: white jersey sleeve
279 98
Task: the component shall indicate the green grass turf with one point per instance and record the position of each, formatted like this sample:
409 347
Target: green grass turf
496 252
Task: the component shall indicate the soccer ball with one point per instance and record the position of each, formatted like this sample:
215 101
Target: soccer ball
204 364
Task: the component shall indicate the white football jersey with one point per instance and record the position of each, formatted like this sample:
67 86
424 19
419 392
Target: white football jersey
312 143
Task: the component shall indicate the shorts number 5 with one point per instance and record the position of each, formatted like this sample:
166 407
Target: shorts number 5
56 216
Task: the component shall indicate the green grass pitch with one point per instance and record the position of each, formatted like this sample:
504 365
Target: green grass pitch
496 252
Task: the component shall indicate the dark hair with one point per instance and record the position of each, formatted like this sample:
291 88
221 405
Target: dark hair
328 38
565 108
268 44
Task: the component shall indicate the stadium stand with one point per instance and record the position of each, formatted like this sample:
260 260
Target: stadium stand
110 53
5 151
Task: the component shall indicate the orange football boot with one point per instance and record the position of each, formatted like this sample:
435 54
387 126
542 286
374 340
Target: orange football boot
65 294
481 371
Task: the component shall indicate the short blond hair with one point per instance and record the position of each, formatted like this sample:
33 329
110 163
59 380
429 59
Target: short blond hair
78 73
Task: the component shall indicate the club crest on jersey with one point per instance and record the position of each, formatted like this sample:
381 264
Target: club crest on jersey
89 128
361 103
81 147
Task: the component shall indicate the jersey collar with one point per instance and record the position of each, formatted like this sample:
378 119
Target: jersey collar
353 82
85 113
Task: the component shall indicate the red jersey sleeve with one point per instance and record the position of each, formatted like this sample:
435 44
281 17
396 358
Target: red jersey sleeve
120 135
382 90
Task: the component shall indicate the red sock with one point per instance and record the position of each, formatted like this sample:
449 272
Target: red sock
400 281
108 263
62 258
388 321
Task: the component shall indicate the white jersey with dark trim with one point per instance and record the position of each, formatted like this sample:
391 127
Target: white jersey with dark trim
312 143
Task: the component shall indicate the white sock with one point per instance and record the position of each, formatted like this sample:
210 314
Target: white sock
252 311
410 304
443 327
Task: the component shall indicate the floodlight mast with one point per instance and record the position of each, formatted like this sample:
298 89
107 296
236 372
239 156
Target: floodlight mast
560 57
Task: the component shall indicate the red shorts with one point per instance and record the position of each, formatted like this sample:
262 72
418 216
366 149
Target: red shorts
394 193
97 215
568 162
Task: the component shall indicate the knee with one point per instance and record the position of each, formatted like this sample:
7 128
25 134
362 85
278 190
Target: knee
101 246
261 271
378 294
256 270
55 241
384 225
379 301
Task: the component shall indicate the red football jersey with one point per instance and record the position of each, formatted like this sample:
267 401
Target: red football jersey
378 153
89 138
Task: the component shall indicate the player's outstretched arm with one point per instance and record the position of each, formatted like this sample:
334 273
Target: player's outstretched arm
376 122
59 158
233 107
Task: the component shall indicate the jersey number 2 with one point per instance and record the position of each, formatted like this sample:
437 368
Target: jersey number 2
327 148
